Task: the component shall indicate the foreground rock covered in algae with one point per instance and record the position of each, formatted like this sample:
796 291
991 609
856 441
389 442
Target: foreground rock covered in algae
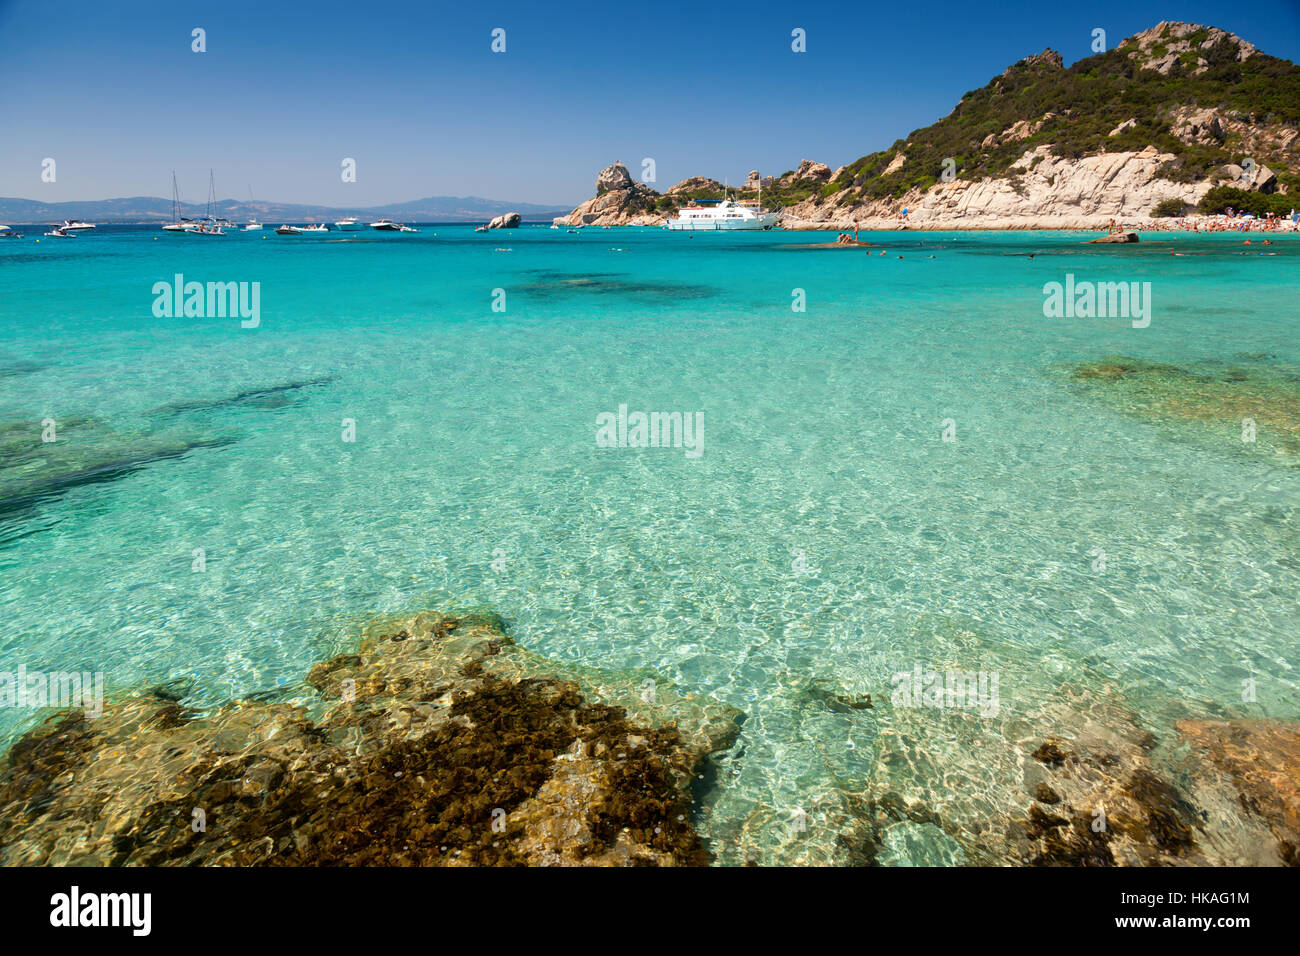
438 741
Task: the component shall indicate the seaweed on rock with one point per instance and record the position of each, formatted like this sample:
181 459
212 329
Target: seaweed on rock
438 742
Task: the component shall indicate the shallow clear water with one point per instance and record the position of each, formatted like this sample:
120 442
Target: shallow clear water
827 534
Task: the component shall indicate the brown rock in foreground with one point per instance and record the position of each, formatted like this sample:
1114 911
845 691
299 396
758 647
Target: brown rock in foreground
1262 758
437 742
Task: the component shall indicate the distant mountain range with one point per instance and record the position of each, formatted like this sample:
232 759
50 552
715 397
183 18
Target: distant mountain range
155 209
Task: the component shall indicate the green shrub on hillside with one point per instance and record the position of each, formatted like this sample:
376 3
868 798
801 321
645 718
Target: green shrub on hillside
1218 199
1089 100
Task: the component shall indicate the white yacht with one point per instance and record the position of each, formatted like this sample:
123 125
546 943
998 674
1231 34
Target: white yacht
8 233
348 224
724 214
387 225
75 225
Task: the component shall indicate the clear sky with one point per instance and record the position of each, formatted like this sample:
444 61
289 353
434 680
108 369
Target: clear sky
413 92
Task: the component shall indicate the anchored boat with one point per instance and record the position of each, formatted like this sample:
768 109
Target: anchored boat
723 215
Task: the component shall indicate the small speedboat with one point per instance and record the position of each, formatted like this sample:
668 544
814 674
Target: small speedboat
288 231
348 224
480 228
8 233
76 225
61 233
253 226
387 225
314 230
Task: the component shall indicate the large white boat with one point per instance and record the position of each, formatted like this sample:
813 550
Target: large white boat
348 224
387 225
76 225
723 214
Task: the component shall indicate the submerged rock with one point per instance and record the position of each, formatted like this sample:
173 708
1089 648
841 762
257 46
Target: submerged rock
1261 758
1073 777
436 742
1251 401
84 452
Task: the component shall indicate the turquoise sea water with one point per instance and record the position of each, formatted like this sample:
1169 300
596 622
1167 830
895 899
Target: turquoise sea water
827 537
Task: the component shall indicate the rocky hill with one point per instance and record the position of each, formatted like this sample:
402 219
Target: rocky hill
1178 117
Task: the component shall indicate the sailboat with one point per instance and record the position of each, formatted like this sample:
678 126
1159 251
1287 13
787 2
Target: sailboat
210 225
253 224
178 223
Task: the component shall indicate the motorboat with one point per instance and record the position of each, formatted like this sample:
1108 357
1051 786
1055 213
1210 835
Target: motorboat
76 225
723 215
62 233
387 225
288 231
348 224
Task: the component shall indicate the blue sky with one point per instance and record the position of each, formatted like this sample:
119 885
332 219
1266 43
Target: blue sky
413 92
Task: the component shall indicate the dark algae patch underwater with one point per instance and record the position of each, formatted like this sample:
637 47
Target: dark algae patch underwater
439 742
